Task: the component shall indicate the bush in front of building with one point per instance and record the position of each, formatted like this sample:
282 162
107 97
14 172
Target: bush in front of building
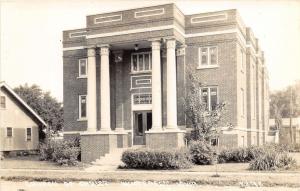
272 160
239 155
202 153
156 159
62 152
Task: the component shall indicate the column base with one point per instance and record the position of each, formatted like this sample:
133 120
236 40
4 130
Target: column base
167 139
171 128
96 144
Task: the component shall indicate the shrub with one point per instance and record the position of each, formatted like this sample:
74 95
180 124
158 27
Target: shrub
156 159
65 153
60 151
45 151
202 153
246 154
272 160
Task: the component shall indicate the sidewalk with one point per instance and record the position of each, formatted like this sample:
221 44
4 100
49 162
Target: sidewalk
159 176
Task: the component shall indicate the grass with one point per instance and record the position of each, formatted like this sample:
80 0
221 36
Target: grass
33 162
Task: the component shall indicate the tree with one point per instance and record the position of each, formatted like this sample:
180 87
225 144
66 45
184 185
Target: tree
285 104
50 110
205 123
282 98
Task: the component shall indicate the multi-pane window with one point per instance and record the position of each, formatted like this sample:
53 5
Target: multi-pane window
28 134
82 106
142 98
9 132
141 62
208 56
209 97
2 102
82 67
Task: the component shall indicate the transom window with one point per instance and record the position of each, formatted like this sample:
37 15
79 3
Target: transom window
82 106
142 98
82 68
28 134
2 102
141 62
209 96
9 132
208 56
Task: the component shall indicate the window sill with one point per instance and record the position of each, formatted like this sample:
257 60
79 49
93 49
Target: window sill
141 72
207 67
81 77
82 119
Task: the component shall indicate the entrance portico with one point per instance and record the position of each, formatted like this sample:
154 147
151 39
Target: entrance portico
150 135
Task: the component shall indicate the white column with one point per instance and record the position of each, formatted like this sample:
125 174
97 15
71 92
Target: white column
171 85
156 87
105 89
91 91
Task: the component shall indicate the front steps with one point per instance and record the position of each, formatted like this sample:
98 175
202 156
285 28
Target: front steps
111 160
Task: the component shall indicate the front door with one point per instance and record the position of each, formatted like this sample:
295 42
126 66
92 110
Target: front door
142 122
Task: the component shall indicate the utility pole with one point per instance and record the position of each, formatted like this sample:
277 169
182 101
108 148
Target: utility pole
291 114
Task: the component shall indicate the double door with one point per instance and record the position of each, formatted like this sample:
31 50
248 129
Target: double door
142 122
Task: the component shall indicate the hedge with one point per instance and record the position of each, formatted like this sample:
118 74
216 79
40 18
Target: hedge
156 159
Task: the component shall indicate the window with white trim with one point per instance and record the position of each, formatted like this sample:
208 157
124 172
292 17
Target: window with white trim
2 102
28 134
9 132
141 62
82 106
209 96
208 56
82 65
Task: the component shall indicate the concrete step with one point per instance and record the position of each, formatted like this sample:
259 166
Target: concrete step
114 157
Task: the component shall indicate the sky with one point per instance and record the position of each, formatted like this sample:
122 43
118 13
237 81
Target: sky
31 35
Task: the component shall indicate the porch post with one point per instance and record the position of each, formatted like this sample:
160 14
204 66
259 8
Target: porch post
105 89
91 91
171 86
156 87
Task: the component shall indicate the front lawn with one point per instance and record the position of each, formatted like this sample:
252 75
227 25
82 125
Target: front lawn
33 162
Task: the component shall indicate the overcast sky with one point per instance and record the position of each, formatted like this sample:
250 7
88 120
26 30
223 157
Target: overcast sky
31 35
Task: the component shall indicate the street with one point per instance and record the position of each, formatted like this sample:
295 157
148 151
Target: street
125 186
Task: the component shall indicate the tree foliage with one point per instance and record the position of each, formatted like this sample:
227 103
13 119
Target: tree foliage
50 110
280 102
205 123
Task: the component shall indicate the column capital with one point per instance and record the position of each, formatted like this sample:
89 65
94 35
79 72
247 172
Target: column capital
91 51
104 50
181 50
155 45
171 43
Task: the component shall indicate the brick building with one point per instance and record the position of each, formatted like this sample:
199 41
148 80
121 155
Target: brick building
125 75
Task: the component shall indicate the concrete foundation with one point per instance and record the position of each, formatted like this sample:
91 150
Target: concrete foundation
165 139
